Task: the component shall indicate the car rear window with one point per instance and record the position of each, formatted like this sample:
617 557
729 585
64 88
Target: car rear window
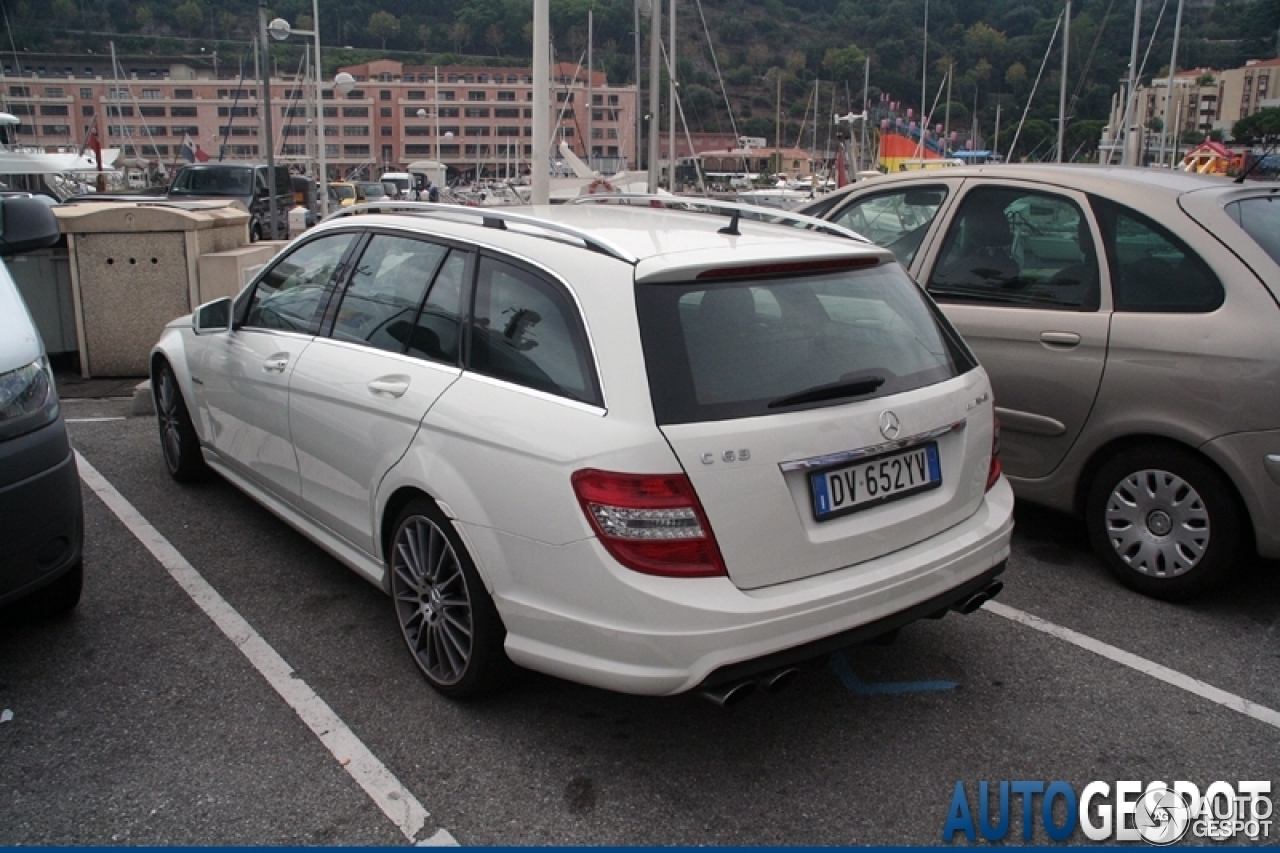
765 346
1260 218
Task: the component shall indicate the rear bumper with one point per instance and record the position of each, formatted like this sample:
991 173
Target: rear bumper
572 612
41 515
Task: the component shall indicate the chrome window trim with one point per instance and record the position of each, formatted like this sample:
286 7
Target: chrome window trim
506 384
816 462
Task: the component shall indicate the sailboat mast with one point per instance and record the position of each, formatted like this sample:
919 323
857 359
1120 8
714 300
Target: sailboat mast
864 161
924 78
540 189
1062 82
1128 156
655 119
1173 68
590 143
671 99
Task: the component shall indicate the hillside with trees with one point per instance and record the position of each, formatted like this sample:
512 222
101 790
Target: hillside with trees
995 49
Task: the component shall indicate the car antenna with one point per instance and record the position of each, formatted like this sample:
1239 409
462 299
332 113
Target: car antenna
732 228
1255 164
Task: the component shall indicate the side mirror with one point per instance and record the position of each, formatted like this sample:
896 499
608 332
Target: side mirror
212 317
26 224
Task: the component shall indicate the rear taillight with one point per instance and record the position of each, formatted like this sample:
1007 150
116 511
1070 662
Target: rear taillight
650 523
993 472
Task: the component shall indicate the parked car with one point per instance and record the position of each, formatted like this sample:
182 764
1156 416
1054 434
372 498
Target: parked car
1128 318
370 191
629 448
243 182
40 509
341 193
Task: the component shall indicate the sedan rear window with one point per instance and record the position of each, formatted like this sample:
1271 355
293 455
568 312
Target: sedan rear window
1260 218
764 346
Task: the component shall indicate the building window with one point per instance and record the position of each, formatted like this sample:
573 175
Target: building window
612 133
477 150
293 111
477 112
355 95
449 151
417 95
155 130
155 150
448 96
613 100
86 111
355 130
151 94
482 78
384 112
562 97
384 94
56 91
330 112
22 109
294 149
292 130
567 132
120 130
55 110
330 130
355 112
528 113
151 112
506 112
86 94
476 131
243 150
507 130
235 112
186 130
355 150
475 96
331 151
56 129
419 149
116 111
448 112
184 94
506 96
449 128
415 130
19 92
243 130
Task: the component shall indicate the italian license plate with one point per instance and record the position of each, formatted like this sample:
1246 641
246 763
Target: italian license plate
875 481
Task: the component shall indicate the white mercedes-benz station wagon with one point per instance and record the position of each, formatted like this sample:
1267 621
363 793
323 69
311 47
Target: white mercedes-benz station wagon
645 449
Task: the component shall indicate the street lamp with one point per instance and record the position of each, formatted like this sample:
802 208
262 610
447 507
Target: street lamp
280 30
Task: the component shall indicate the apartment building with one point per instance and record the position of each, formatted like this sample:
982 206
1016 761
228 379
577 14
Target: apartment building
476 120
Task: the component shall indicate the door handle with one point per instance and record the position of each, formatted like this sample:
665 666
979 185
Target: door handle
392 386
1060 339
276 364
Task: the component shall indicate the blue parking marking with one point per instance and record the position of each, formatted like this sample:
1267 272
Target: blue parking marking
844 671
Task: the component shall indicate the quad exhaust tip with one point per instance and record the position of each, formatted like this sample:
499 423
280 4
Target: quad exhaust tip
979 598
726 695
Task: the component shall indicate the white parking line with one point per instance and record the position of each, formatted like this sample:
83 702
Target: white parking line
372 775
1157 671
91 420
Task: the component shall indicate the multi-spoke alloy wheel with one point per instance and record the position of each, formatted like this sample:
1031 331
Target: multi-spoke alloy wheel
1165 522
446 617
178 438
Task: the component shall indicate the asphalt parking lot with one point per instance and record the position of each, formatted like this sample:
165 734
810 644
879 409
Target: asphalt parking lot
225 682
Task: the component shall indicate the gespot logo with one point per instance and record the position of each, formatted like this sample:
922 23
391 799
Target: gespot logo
1158 813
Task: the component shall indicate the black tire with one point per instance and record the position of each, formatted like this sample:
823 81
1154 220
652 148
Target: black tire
445 615
59 597
178 440
1166 523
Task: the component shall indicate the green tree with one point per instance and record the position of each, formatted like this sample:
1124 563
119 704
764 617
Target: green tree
383 25
189 16
460 33
424 35
844 63
1261 128
494 37
144 18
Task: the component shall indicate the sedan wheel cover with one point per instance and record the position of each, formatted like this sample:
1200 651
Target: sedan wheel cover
167 412
1157 523
432 601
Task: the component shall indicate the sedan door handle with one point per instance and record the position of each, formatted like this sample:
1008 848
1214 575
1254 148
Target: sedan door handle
1060 339
393 386
276 364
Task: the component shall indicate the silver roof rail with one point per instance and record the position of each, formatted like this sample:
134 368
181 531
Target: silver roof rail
697 204
489 217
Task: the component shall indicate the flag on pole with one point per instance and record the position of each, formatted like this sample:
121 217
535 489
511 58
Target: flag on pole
191 150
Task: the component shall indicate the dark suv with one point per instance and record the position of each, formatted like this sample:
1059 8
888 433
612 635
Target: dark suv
243 182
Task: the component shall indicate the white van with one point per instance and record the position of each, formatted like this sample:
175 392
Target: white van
402 181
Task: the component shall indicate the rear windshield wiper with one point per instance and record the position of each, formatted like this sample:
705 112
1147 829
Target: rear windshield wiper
854 387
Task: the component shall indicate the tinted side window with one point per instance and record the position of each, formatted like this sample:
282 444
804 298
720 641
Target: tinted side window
1013 247
1151 269
289 296
526 330
896 220
386 288
435 335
